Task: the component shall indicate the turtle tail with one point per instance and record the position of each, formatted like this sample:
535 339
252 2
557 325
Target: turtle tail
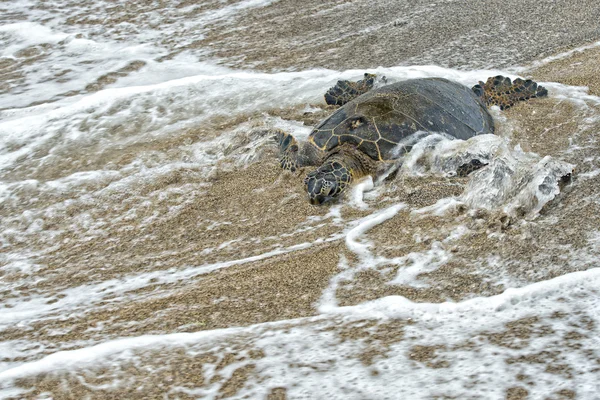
501 91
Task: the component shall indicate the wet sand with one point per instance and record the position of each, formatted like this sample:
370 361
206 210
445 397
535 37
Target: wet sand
341 35
262 202
346 35
258 209
578 69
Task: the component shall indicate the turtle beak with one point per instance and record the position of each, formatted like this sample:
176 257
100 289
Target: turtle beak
318 190
318 200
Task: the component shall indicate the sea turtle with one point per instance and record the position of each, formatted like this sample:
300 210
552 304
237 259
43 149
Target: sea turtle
379 125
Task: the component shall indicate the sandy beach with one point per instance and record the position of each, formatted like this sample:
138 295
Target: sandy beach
237 254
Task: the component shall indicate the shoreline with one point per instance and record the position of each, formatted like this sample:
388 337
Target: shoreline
246 212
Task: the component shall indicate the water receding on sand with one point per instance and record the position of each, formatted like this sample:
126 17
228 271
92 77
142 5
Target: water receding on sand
151 245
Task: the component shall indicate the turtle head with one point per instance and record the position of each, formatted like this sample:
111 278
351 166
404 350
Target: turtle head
327 182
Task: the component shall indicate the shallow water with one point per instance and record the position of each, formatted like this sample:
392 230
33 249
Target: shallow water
151 245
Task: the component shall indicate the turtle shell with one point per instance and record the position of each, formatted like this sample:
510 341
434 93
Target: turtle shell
385 122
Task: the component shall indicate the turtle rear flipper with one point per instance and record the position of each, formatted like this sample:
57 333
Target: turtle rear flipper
501 91
345 91
472 166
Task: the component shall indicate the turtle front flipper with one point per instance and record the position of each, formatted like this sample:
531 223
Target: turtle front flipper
501 91
345 91
288 150
294 155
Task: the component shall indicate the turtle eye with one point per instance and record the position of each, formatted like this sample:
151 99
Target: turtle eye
309 176
310 185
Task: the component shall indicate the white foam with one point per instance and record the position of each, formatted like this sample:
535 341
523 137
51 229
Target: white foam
400 307
439 154
82 357
79 55
79 298
377 218
307 357
14 263
578 95
231 10
200 97
516 181
64 70
419 263
328 299
294 349
357 192
445 206
26 34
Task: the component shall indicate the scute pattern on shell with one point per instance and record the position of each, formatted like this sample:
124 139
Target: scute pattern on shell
379 120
